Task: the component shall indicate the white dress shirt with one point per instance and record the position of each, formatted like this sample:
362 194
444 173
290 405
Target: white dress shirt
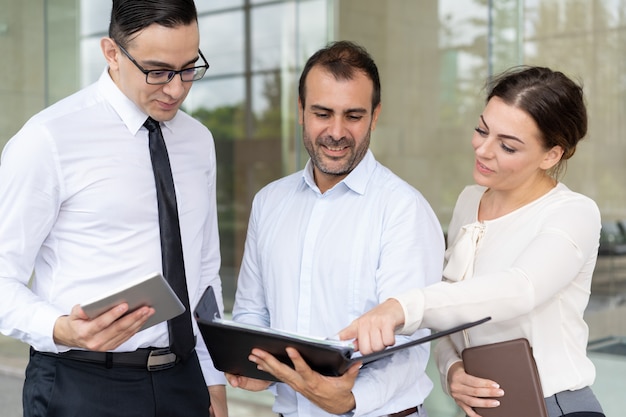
314 262
530 270
78 204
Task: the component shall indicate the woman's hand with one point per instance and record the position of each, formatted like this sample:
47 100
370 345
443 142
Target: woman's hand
375 329
469 391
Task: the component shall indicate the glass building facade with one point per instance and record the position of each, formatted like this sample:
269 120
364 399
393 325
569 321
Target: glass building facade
434 57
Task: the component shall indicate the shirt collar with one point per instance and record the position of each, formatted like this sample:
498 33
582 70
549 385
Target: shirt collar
356 180
126 109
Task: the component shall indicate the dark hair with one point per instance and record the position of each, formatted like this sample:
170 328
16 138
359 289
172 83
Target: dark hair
131 16
341 59
554 101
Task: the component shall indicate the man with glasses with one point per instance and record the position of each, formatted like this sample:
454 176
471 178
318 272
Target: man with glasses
82 206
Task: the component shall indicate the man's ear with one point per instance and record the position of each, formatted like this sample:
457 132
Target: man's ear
300 112
110 52
552 157
375 115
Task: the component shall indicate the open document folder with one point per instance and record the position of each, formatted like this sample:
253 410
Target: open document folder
230 344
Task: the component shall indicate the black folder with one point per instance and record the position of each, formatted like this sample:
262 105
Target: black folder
230 344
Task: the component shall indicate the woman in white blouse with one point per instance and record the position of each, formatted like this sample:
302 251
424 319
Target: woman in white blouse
521 248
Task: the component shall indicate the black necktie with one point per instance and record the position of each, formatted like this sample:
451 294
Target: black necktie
182 340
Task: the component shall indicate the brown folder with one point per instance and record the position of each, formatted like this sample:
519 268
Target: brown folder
510 364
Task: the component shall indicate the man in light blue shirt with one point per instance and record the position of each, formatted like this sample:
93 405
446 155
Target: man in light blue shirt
329 243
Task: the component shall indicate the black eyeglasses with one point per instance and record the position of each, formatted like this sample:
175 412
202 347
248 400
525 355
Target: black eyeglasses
156 77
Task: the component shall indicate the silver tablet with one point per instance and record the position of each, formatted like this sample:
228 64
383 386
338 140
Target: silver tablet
152 290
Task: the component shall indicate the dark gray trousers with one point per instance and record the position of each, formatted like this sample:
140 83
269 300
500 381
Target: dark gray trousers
60 387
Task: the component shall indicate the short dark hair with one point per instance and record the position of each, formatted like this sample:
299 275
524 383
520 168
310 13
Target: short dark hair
555 102
130 16
341 59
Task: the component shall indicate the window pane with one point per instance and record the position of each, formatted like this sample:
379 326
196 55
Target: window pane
91 59
94 17
222 42
211 94
218 104
313 23
273 29
203 6
277 28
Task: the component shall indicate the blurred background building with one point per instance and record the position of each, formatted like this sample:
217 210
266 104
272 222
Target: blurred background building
434 57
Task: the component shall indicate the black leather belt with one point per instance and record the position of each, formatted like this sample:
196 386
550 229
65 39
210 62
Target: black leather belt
152 359
404 413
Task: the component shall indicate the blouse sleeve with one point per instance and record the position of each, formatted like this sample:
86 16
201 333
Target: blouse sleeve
564 245
445 356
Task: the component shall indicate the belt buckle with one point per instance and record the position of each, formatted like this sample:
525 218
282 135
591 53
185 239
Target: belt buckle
160 359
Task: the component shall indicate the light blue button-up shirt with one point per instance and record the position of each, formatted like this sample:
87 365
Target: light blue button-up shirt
314 262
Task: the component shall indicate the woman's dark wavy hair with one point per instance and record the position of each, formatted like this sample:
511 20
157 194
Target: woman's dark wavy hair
342 59
131 16
554 101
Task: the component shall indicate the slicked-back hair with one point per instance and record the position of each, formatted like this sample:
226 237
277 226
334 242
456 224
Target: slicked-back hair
555 102
342 59
131 16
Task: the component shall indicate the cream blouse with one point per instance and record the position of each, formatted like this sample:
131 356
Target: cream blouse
530 270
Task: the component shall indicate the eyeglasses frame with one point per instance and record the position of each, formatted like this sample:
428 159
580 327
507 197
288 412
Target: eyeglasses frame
172 72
